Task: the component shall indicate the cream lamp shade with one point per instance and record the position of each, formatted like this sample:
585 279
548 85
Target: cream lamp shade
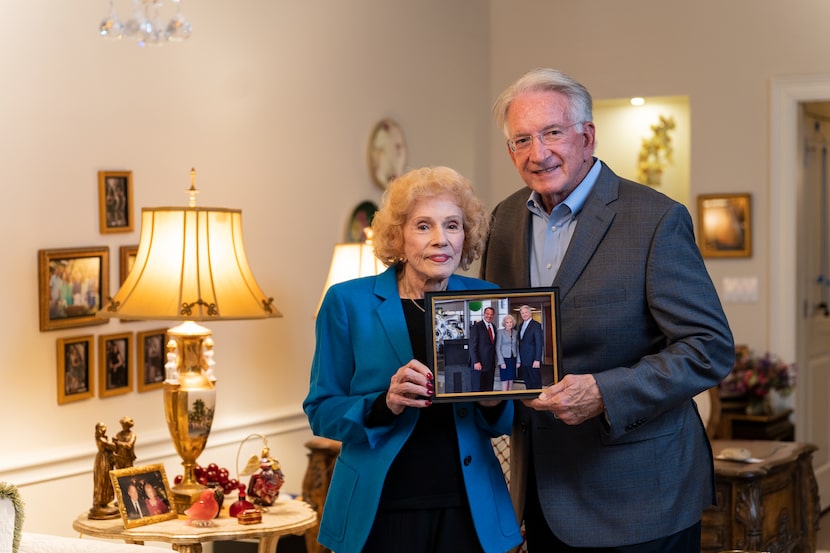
351 260
190 265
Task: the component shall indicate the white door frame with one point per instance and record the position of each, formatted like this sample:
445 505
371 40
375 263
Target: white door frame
786 327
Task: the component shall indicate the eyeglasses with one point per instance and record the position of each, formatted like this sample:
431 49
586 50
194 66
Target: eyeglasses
548 137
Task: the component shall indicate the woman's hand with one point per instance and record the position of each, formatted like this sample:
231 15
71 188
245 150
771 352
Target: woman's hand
410 386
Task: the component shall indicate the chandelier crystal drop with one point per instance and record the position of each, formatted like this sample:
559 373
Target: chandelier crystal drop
153 22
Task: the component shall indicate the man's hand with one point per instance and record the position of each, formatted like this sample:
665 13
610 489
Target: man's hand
574 399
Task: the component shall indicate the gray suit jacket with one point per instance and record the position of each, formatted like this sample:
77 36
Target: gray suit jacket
640 312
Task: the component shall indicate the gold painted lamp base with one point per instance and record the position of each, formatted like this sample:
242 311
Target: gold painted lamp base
189 403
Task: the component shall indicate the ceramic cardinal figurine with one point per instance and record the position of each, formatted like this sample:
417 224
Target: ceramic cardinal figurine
202 512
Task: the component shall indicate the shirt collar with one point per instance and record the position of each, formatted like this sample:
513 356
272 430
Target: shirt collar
575 200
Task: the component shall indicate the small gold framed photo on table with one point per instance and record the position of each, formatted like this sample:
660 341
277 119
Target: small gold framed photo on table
519 358
143 495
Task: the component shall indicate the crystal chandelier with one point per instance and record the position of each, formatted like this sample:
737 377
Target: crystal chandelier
148 25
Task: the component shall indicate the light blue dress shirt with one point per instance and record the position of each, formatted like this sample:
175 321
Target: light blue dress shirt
552 232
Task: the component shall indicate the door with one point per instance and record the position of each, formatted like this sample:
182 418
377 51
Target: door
797 329
814 282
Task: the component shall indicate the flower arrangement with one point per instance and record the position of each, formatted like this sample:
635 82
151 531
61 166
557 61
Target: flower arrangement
754 376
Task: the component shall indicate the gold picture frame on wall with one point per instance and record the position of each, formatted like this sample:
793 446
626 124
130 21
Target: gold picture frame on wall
75 357
724 225
150 345
73 284
115 375
126 258
115 201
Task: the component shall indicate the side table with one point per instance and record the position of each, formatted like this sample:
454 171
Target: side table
735 424
771 505
286 516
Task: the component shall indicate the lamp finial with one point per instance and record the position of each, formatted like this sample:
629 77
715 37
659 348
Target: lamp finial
193 190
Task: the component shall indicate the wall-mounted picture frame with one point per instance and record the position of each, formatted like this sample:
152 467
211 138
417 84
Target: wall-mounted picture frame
143 495
115 201
462 352
115 375
725 225
126 258
73 284
75 361
150 345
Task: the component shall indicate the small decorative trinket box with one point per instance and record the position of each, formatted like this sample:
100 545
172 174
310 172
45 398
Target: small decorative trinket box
250 516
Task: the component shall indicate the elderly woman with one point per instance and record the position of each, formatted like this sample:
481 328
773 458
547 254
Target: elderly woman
411 476
507 351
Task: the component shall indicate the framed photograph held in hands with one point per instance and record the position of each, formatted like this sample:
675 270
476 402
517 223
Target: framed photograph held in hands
493 344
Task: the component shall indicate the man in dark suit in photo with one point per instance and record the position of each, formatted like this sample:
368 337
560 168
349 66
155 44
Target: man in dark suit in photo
133 504
483 352
531 347
614 456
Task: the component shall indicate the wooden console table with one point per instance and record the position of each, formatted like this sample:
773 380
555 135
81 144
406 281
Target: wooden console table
771 505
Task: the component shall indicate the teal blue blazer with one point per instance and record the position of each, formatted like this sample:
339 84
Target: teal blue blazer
362 339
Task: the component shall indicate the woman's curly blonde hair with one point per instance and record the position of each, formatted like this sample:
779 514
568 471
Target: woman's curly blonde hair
403 192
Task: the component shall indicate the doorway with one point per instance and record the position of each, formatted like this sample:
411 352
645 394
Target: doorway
796 328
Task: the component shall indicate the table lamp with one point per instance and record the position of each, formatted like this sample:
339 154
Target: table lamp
190 266
352 260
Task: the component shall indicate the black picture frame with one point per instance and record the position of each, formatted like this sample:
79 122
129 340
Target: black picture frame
449 319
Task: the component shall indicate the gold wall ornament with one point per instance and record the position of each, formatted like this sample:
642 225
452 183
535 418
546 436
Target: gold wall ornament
656 152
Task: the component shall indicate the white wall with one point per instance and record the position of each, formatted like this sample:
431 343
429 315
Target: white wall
272 103
722 55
